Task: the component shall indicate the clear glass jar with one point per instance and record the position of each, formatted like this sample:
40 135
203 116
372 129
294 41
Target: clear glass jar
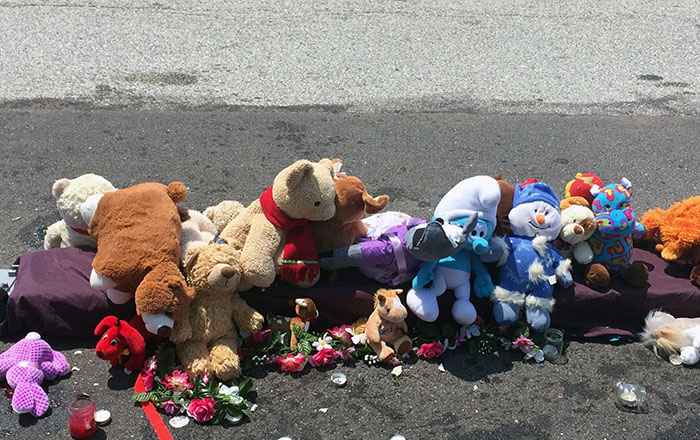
553 344
81 417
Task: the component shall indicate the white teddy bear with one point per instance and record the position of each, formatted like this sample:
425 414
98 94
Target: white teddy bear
70 195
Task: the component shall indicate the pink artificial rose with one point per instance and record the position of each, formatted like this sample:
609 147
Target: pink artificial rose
147 376
431 350
341 333
260 335
205 378
292 363
323 357
201 410
169 406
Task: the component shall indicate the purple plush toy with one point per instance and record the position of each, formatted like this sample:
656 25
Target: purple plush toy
25 365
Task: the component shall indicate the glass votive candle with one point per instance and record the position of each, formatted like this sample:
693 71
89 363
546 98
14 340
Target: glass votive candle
81 417
630 396
553 344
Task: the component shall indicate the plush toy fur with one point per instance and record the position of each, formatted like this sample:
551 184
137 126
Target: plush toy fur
206 339
677 232
386 326
577 226
304 190
351 202
197 231
306 312
671 337
120 343
138 232
505 204
70 194
222 213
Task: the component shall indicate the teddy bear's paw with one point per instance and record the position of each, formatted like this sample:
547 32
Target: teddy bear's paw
225 365
385 354
636 274
198 367
253 323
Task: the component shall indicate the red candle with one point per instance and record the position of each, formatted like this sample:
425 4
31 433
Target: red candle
81 417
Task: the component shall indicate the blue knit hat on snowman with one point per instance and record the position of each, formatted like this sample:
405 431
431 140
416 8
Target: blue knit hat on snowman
533 190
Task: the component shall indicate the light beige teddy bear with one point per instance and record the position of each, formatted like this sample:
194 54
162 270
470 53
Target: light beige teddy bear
70 195
274 234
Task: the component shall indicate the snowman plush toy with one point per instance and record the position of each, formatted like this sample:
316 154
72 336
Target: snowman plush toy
533 265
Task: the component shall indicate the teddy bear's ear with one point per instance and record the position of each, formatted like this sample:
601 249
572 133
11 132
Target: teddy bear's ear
301 302
374 205
574 200
59 186
297 171
330 164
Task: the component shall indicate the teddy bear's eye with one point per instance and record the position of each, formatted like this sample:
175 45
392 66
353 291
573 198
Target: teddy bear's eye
317 204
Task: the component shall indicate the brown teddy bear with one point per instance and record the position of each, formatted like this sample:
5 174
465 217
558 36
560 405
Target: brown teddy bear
677 233
306 312
387 325
273 232
138 230
206 339
351 202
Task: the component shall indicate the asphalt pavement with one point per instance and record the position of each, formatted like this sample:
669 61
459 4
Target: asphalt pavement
415 158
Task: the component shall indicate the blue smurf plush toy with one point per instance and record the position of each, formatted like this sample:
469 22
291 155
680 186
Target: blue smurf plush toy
533 265
464 222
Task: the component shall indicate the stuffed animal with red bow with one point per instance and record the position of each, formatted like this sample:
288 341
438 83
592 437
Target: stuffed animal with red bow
121 343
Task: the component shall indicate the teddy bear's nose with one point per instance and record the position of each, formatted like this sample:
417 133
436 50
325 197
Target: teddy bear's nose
578 229
99 354
540 218
228 271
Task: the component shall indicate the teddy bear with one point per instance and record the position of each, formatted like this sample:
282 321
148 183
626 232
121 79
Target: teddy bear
677 339
616 227
469 208
70 194
25 365
273 232
351 202
206 339
577 226
138 233
305 310
198 230
222 213
677 233
386 329
533 264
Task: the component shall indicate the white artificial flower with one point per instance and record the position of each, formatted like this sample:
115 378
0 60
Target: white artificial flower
535 353
472 330
323 342
356 338
228 391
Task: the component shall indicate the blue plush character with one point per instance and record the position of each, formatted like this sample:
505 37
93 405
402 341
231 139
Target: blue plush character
466 219
533 264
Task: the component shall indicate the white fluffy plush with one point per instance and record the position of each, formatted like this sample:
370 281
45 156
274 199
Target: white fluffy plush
578 225
70 195
678 339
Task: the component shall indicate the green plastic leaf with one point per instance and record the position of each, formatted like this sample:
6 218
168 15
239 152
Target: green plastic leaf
304 347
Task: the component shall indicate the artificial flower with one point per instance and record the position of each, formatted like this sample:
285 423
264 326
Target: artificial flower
523 343
345 353
292 363
205 378
147 377
323 357
431 350
225 390
536 354
260 335
472 331
273 359
201 410
341 333
169 406
179 381
323 342
356 338
151 363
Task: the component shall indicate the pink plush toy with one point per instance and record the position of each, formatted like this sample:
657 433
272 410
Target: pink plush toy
25 365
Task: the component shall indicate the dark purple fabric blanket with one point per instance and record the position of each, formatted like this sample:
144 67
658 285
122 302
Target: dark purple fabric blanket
52 296
621 309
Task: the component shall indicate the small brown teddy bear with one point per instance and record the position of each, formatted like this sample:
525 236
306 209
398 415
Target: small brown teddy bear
351 202
138 230
273 233
387 326
306 312
206 339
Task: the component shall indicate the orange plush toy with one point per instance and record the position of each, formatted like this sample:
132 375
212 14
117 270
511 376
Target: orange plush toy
351 203
138 232
677 232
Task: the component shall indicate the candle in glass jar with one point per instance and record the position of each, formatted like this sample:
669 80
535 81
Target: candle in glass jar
81 417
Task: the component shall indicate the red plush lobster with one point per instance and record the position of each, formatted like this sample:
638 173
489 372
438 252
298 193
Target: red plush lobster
121 344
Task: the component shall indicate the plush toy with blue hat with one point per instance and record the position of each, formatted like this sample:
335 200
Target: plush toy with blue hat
533 264
451 246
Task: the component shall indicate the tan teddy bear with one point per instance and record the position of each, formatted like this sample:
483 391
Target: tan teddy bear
222 213
386 325
138 232
274 233
70 195
206 340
